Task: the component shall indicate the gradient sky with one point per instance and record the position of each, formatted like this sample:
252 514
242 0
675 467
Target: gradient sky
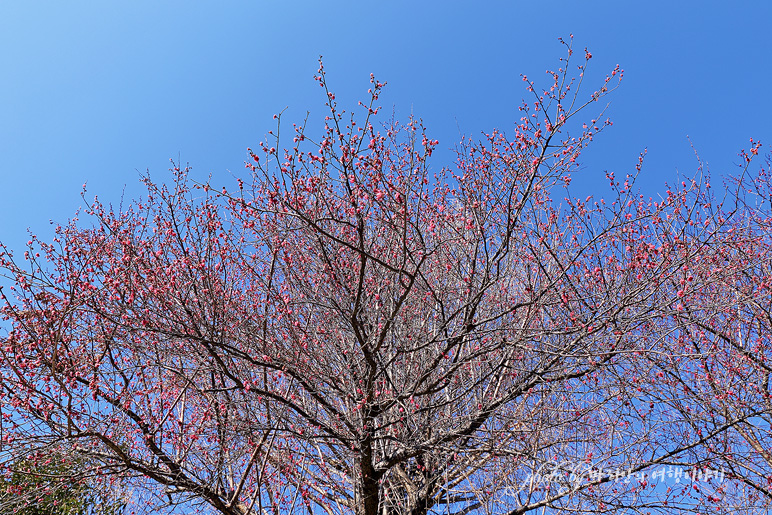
94 92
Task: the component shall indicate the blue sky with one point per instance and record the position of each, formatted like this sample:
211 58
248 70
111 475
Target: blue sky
97 91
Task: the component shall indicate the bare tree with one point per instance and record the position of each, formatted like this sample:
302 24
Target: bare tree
723 325
351 331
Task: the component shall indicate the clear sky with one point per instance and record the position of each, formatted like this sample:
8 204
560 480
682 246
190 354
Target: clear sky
97 91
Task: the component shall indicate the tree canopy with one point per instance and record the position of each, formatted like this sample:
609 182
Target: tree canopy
352 330
54 484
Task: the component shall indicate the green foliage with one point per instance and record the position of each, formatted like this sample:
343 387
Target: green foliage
53 485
